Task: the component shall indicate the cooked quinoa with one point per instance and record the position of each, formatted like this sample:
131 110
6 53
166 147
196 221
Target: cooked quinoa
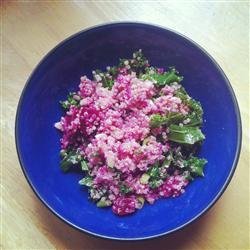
133 130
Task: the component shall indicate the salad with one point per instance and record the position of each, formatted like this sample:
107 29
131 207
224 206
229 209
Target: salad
133 132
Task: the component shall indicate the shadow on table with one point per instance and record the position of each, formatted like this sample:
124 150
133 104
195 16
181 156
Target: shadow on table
66 237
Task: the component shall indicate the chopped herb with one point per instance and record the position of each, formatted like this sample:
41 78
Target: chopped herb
155 183
84 165
168 160
86 181
72 100
103 202
153 172
124 189
69 159
187 175
195 165
166 78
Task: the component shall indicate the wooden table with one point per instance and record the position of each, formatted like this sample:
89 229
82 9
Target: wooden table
30 29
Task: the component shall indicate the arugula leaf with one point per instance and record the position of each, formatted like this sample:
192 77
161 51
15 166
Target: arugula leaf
195 165
185 135
171 118
86 181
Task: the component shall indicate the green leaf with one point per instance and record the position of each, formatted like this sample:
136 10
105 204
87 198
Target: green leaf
164 79
72 99
194 119
86 181
155 183
103 202
184 134
84 165
63 153
153 172
196 111
171 118
167 161
106 78
187 175
107 82
113 71
195 106
70 158
124 189
157 120
65 165
139 63
195 165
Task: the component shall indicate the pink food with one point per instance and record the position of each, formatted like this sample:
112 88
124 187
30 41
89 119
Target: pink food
111 130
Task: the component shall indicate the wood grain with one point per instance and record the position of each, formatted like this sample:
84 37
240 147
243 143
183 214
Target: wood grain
30 29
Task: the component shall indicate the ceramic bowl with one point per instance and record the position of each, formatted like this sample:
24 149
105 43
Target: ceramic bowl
58 73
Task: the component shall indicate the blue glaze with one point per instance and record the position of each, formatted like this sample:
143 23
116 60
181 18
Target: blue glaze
59 72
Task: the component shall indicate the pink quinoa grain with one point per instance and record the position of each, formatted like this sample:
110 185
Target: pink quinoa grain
111 130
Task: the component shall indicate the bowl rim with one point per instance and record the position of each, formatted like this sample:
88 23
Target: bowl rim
236 109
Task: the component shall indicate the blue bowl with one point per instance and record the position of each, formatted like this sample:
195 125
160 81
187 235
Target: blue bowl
59 72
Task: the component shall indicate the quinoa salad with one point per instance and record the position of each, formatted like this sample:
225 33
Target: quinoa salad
132 133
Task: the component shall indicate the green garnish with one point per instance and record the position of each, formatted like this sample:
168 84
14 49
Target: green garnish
185 135
103 202
196 112
72 99
171 118
86 181
124 189
195 165
84 165
155 183
70 159
153 172
166 78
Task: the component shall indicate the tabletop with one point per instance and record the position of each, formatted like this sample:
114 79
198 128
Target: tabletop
29 29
